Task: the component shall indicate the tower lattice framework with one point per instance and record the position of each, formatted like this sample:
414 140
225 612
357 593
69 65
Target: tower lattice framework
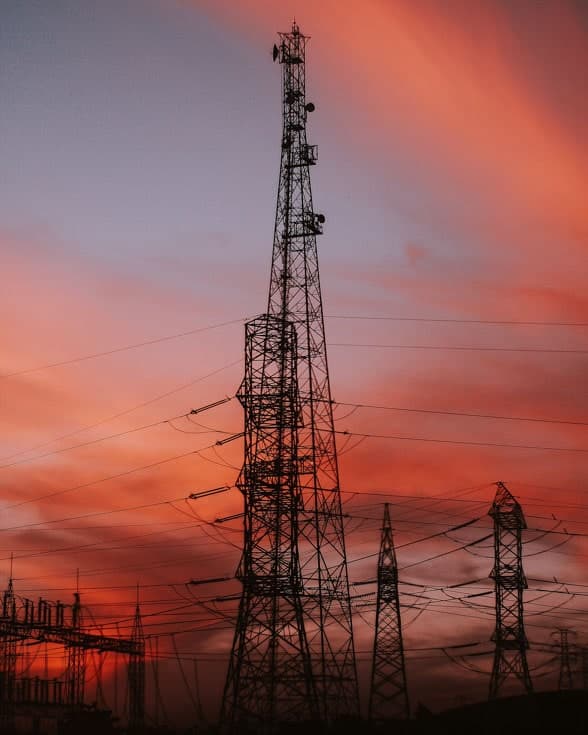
8 645
511 644
269 681
295 295
136 674
388 691
566 680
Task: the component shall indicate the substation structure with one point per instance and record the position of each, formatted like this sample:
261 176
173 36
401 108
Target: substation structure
293 655
25 623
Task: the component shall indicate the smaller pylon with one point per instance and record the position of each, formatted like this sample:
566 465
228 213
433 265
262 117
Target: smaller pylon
136 673
566 680
388 691
76 658
584 666
8 643
510 656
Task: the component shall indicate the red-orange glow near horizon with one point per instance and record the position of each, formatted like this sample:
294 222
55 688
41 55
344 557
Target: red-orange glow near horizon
450 89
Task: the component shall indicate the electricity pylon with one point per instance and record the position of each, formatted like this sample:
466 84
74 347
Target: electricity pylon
269 681
295 295
136 673
584 667
388 691
510 656
8 642
76 659
565 670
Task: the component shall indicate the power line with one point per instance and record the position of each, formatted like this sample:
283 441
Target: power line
463 443
128 431
115 350
459 348
462 413
498 322
105 479
120 414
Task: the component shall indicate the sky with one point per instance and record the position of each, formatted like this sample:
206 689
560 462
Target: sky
140 146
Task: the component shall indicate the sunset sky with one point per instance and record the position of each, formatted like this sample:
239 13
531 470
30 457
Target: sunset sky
140 150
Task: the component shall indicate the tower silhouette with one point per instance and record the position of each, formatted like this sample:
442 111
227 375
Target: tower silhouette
510 655
565 670
388 691
269 680
136 673
295 295
293 655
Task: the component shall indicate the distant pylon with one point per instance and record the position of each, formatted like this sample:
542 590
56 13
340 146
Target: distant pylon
565 671
136 673
76 659
388 691
510 657
584 667
8 643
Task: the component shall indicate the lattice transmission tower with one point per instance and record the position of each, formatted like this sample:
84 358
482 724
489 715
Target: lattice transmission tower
136 674
295 295
583 661
388 691
269 681
510 656
8 644
566 680
291 661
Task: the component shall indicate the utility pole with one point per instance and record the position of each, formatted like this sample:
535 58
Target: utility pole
510 657
388 691
565 670
295 295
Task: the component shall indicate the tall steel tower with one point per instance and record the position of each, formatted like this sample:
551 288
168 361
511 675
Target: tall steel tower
295 295
269 681
510 657
388 692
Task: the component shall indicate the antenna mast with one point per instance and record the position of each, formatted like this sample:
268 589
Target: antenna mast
295 295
